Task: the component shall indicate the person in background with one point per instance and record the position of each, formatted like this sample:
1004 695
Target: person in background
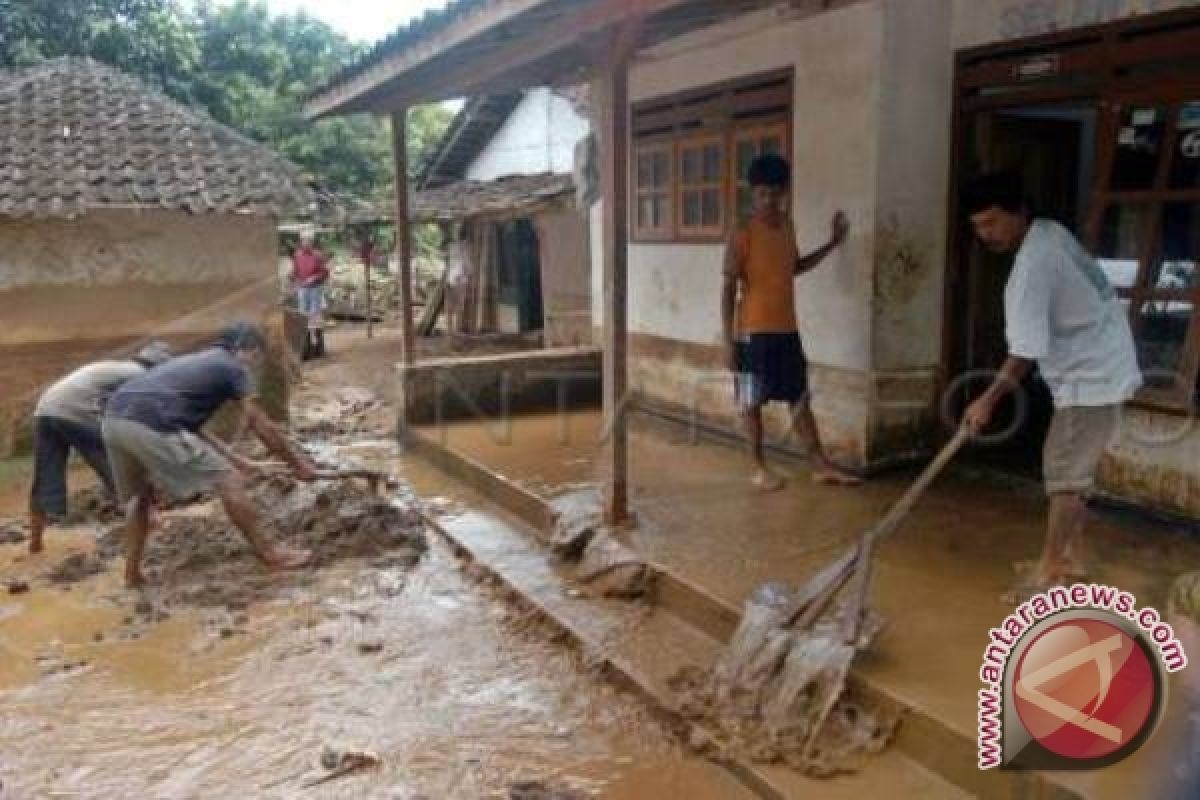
67 417
758 314
154 431
310 273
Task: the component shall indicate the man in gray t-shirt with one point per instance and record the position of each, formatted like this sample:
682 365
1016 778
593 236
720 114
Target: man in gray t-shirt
67 417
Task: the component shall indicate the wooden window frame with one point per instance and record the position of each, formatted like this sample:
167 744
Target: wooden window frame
1182 397
651 233
697 143
724 113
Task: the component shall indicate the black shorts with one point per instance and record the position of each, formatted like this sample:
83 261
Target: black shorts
53 440
770 368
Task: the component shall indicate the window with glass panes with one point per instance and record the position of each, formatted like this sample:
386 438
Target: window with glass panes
702 185
692 152
1145 229
653 206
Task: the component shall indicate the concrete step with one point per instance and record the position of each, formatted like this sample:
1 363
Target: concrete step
643 645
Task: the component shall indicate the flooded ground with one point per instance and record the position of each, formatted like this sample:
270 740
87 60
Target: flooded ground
939 583
113 693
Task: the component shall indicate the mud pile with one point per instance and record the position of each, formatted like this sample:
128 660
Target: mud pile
12 532
764 698
91 505
346 412
199 558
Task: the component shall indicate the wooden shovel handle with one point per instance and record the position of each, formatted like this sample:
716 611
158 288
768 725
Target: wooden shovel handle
904 505
866 548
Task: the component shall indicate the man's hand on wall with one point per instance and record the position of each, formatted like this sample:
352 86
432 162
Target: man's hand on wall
840 228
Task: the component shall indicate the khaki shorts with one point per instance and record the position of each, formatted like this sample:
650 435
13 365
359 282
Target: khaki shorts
181 463
1077 440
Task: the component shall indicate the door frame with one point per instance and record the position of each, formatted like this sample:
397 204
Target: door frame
1093 64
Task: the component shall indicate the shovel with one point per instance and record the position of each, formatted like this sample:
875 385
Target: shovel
821 658
832 658
374 478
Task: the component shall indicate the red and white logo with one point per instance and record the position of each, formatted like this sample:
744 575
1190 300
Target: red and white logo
1084 689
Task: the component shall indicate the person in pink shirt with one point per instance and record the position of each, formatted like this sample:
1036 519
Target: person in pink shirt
310 272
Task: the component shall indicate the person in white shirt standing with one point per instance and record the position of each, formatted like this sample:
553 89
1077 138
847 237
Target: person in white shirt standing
1062 314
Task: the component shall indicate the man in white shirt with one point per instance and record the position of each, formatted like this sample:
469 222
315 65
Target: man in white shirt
67 417
1062 314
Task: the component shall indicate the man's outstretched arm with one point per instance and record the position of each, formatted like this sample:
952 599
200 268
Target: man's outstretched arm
275 441
840 227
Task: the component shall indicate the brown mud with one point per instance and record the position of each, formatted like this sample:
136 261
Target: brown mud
220 678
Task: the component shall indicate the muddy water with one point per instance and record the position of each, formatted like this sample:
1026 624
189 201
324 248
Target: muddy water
459 693
434 676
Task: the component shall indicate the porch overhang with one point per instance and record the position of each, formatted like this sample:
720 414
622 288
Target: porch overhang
489 46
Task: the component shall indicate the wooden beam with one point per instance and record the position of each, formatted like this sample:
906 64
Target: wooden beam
459 32
614 151
467 76
408 347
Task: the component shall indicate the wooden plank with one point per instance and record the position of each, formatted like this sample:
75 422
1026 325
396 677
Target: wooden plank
614 140
457 33
403 234
527 46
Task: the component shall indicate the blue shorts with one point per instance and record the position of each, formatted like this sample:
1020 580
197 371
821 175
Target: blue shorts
770 367
310 299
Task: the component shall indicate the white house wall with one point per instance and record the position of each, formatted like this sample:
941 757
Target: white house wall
872 135
539 136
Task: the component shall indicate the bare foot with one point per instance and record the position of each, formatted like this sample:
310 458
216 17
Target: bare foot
829 475
286 558
134 579
766 481
35 544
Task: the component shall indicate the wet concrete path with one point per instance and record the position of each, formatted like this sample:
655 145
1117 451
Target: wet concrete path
939 582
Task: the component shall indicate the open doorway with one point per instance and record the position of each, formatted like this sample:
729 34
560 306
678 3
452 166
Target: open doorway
1052 147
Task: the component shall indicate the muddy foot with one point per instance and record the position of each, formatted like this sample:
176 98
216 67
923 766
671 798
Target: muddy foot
767 481
832 476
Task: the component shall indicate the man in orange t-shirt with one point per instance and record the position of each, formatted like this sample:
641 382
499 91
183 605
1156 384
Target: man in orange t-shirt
758 311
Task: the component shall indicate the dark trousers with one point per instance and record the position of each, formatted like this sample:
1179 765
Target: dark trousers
53 440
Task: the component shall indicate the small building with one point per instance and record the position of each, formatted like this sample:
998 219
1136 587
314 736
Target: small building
123 216
500 183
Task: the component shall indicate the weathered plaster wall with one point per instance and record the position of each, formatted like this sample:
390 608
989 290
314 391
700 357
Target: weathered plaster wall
1156 461
539 136
979 22
72 291
566 277
910 232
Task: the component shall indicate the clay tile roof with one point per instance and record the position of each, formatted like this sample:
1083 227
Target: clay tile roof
508 195
76 134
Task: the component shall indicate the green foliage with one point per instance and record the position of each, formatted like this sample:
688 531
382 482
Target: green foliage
243 65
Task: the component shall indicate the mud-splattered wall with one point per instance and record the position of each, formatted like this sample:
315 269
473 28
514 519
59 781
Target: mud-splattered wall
76 290
872 109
